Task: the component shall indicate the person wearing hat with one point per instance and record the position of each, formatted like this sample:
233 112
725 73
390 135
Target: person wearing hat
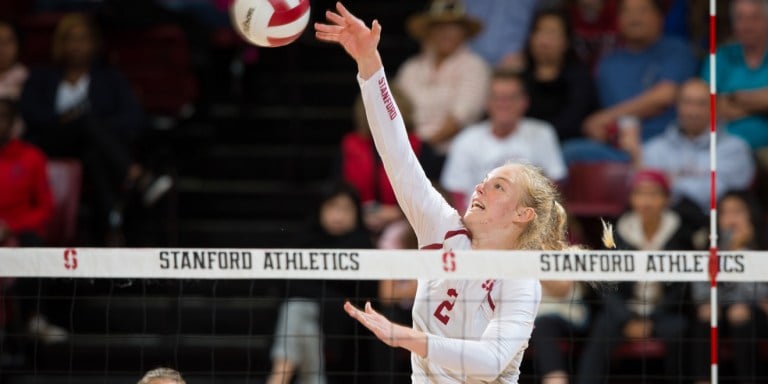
641 310
447 83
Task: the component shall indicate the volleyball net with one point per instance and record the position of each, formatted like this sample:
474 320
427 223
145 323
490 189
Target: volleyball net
225 315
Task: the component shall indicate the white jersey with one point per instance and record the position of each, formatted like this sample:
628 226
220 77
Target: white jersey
477 331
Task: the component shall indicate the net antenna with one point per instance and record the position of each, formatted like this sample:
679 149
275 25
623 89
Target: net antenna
714 259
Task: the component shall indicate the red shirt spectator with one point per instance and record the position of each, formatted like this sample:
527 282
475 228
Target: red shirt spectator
26 203
362 168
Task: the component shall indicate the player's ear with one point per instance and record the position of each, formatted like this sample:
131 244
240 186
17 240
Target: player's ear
524 215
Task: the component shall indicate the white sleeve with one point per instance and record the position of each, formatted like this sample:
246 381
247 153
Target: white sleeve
505 337
427 211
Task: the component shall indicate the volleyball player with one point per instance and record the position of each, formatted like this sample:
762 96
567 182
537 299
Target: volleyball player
463 331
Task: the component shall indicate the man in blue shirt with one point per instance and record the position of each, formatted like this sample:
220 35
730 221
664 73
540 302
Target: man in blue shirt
682 152
505 28
640 80
742 73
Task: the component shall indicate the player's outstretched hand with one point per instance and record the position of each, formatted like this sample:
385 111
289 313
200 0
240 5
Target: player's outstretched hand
358 40
384 329
391 334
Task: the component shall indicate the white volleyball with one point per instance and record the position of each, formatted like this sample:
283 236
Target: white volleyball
270 23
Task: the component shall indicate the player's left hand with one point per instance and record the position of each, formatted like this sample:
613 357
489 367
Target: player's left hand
387 331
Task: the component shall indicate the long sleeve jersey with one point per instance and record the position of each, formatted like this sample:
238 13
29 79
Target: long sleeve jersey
477 331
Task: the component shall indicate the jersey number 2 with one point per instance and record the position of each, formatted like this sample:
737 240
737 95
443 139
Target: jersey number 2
445 306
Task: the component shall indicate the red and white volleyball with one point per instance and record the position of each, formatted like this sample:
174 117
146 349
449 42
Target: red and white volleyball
270 23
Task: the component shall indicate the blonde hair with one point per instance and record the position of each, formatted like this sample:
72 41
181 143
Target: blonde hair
65 26
162 373
548 229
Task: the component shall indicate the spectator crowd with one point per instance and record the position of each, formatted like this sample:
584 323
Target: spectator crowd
554 83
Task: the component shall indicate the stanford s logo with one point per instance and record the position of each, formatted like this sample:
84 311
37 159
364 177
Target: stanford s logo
449 261
70 259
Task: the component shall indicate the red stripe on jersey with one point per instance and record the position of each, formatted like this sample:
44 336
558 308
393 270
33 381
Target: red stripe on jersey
457 232
287 16
490 302
448 235
277 42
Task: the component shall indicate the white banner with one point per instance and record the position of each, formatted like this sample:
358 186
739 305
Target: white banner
366 264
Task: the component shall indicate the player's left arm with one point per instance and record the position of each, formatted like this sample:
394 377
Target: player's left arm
485 359
505 337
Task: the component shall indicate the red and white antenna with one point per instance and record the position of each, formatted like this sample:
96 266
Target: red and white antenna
714 260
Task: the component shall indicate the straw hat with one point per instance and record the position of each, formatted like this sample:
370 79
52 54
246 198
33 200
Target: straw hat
443 11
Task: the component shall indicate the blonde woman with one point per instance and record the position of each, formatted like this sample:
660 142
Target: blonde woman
463 331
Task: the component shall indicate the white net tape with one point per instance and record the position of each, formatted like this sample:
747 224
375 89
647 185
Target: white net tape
365 264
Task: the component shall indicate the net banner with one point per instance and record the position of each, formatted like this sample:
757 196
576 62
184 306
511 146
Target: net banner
368 264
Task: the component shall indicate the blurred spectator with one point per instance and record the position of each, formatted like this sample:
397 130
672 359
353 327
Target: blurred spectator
505 28
741 226
650 224
447 83
689 20
26 204
595 27
639 80
563 315
13 74
396 300
311 307
87 110
506 136
641 310
362 168
682 152
561 89
162 376
742 73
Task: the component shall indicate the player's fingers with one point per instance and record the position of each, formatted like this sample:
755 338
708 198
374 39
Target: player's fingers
376 28
351 309
328 28
345 13
335 18
329 37
369 309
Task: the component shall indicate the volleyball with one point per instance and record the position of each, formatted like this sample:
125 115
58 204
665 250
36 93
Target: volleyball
270 23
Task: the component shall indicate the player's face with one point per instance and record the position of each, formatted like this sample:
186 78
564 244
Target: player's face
495 200
162 381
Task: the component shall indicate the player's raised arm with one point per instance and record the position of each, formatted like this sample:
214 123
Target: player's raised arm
427 211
